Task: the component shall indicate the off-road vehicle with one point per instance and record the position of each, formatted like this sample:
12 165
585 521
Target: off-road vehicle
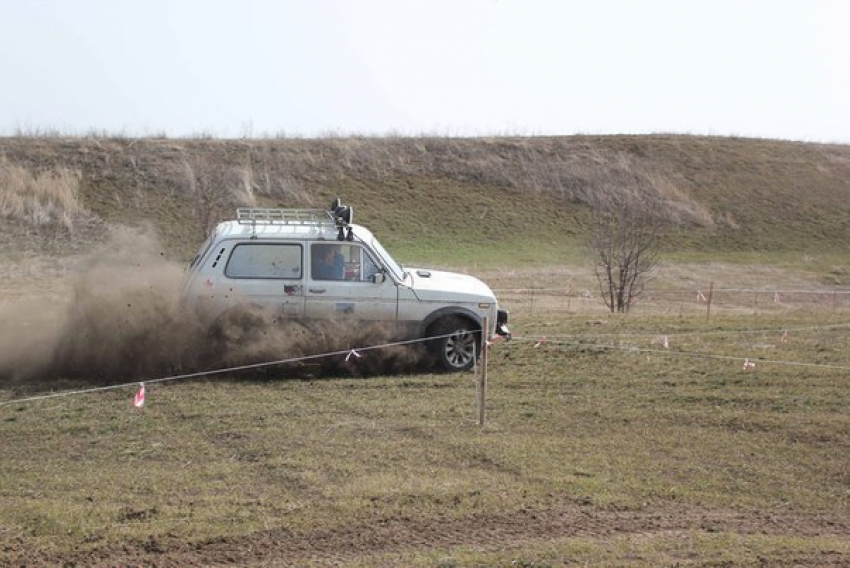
317 264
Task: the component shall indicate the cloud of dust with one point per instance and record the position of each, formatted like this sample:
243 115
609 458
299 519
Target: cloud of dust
123 320
249 334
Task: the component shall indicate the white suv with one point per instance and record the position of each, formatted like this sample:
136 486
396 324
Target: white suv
316 264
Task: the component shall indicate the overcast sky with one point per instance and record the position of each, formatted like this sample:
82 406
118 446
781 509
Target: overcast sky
760 68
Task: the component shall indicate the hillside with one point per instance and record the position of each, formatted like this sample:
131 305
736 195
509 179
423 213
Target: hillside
523 197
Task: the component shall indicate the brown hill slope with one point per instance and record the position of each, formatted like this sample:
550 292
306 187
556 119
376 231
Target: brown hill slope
516 195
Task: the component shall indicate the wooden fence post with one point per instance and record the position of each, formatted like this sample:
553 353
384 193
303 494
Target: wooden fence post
708 301
482 376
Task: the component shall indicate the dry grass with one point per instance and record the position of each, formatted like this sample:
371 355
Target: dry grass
726 194
47 199
215 190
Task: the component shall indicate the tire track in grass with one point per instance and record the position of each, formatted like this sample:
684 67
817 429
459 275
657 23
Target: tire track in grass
402 534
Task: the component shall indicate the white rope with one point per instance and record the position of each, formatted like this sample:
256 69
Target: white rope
578 293
723 357
686 333
537 339
668 352
347 352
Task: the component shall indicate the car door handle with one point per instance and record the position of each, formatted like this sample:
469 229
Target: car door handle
317 290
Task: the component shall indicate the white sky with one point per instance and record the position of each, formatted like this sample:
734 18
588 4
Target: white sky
763 68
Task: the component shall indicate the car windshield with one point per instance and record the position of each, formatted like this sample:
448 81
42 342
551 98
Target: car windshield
387 259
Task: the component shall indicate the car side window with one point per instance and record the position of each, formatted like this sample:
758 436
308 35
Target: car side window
265 260
348 262
327 262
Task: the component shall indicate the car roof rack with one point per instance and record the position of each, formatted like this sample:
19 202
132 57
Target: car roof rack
279 216
339 216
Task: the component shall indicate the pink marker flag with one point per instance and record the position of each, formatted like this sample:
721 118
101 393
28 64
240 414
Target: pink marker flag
784 338
749 364
540 342
139 399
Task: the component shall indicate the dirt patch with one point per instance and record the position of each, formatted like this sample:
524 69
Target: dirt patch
389 535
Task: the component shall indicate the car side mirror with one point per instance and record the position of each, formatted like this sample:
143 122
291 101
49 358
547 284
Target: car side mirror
379 278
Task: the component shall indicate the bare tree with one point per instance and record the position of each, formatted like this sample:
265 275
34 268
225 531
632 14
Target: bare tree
627 224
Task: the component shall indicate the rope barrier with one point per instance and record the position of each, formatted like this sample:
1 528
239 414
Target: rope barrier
580 294
347 352
690 333
356 353
724 357
695 354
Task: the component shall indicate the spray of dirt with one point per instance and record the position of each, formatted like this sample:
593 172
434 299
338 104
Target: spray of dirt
247 334
123 320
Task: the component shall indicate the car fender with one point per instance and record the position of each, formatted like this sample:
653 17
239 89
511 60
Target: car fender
437 315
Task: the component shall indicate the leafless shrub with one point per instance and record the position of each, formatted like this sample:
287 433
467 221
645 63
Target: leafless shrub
628 219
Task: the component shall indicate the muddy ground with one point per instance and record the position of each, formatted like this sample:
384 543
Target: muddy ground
499 532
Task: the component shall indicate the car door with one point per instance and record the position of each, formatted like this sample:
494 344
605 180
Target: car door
268 274
342 285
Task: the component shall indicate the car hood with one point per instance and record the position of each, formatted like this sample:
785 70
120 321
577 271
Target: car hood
449 286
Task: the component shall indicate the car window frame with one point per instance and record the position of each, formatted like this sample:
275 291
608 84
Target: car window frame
237 244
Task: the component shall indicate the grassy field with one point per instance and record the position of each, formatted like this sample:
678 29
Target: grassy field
601 445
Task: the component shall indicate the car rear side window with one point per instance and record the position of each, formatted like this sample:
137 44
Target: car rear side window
265 260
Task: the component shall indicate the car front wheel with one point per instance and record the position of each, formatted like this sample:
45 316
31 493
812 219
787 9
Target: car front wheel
457 344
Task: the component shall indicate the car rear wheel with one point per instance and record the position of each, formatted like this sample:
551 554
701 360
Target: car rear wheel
457 345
